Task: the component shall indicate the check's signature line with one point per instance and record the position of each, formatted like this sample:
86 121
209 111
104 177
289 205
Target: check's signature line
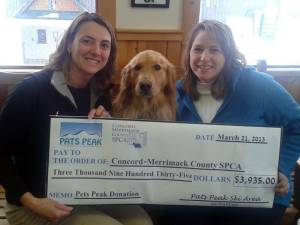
200 200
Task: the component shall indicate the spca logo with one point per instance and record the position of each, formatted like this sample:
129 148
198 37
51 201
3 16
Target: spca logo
80 134
129 136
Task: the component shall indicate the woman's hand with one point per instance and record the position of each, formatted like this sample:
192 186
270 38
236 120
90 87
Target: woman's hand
47 208
99 112
282 187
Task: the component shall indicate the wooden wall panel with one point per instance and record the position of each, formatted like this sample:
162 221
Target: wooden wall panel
174 49
126 50
190 16
174 52
107 8
159 46
150 35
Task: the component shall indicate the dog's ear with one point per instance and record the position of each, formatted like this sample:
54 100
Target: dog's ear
171 76
124 93
125 80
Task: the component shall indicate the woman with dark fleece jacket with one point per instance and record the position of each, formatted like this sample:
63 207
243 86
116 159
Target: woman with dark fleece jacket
75 83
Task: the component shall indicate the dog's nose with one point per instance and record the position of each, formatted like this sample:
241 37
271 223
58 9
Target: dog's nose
145 87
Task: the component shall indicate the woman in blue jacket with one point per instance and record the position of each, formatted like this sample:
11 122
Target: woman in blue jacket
217 87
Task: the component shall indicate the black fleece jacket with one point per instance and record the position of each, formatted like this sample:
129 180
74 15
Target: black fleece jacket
25 130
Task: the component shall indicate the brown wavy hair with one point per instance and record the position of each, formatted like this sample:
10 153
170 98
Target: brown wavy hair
222 34
60 60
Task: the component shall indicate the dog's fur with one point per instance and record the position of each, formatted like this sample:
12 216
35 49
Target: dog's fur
147 88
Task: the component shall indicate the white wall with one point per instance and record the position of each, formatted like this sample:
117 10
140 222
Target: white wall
148 18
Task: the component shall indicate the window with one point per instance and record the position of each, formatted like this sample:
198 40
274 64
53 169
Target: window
31 29
263 29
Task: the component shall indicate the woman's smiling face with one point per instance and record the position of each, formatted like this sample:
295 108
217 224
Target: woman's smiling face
206 57
90 49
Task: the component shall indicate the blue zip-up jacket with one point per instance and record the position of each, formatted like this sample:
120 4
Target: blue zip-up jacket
255 99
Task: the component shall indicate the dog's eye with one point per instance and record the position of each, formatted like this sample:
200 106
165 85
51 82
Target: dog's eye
157 67
137 67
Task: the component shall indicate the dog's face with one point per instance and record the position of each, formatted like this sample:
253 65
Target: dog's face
149 74
147 89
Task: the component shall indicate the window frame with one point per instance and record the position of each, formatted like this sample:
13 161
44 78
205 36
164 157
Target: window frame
106 8
271 67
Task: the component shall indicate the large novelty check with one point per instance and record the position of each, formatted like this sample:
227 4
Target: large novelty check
120 161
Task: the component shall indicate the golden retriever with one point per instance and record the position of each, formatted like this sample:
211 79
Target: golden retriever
147 88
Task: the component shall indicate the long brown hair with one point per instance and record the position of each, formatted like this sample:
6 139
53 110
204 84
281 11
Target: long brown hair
60 59
222 34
